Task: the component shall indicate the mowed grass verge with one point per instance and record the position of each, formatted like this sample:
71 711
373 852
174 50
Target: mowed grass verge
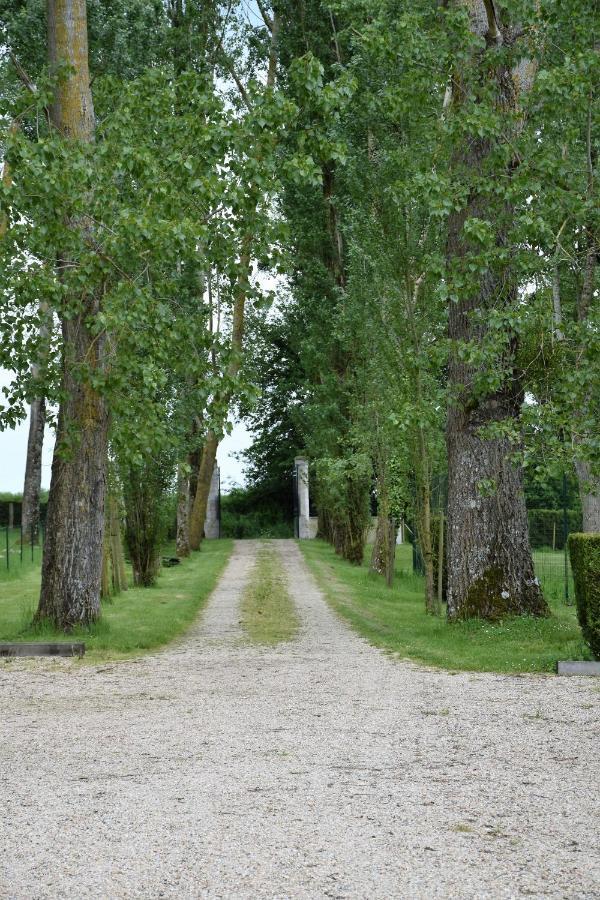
134 622
394 619
268 614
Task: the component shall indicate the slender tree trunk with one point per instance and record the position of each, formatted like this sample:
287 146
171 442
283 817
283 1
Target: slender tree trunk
589 485
105 581
30 510
118 572
490 567
384 548
426 542
378 554
183 513
72 564
207 465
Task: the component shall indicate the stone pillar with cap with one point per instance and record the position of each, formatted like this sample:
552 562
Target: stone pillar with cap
304 530
212 525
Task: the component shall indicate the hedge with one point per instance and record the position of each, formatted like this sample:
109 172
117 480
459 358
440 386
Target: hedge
584 551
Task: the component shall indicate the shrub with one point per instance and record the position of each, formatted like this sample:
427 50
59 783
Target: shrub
584 550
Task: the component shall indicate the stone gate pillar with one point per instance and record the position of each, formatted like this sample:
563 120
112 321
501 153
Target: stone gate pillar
212 523
304 529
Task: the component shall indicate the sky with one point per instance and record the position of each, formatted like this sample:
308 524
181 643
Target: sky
13 448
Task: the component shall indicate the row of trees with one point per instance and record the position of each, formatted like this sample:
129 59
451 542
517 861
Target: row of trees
442 316
423 177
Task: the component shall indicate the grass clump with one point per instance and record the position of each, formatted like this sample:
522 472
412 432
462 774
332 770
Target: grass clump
136 621
268 614
394 619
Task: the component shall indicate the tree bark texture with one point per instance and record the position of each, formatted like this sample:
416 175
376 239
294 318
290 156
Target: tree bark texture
30 511
207 465
384 548
114 575
72 564
490 567
589 491
183 513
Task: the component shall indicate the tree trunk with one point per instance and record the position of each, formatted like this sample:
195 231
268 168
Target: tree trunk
118 571
30 510
105 581
426 542
589 485
183 513
384 548
207 465
589 491
72 564
490 567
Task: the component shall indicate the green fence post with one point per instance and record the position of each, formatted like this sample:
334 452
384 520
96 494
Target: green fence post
7 556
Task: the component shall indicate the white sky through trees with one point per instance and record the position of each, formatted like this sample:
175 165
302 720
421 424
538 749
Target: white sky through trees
13 449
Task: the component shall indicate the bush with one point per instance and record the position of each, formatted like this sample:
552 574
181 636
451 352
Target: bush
250 513
584 550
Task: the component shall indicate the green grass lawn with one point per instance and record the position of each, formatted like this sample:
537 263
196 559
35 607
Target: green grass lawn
394 619
268 614
137 620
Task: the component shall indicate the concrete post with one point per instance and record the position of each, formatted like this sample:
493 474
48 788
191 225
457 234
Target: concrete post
211 523
303 498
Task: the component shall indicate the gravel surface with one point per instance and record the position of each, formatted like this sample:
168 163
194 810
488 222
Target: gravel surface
320 768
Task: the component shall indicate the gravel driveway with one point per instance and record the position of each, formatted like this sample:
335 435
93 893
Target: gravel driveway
321 768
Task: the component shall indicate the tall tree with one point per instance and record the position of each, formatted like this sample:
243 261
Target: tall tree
72 564
490 567
223 396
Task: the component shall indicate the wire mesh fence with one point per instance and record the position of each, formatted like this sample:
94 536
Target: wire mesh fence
552 517
19 548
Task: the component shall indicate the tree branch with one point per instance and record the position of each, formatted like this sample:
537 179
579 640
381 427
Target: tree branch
22 74
269 22
272 70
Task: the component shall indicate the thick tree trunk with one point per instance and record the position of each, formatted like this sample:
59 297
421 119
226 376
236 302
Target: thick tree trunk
490 567
30 511
72 564
207 465
589 491
183 513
